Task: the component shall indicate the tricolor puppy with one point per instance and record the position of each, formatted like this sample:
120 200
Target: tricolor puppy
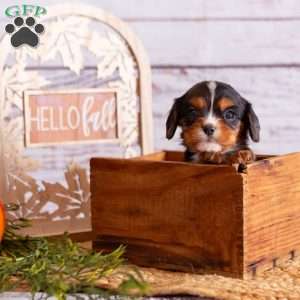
216 122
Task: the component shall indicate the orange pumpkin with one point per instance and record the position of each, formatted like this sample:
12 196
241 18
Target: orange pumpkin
2 220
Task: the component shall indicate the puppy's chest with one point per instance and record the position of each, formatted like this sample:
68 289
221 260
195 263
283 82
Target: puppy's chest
209 147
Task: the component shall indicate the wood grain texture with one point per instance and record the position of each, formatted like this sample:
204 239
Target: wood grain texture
162 207
157 156
192 9
222 43
272 211
198 218
198 9
209 33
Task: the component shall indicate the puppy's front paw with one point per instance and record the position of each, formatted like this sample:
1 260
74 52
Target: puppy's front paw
244 157
212 157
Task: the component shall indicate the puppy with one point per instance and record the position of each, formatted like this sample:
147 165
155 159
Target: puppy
216 122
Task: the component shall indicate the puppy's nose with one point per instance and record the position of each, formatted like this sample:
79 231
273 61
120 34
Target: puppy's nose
209 129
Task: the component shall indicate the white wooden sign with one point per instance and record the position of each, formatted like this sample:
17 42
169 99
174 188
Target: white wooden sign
68 117
45 123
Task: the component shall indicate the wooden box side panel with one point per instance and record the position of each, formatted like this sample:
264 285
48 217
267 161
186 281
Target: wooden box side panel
272 212
156 156
175 156
174 215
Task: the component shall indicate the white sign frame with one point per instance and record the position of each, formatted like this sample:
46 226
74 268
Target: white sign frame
27 126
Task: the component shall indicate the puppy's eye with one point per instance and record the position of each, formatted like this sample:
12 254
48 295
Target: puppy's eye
192 111
190 115
230 115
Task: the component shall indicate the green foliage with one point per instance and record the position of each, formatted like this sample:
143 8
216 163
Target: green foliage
58 266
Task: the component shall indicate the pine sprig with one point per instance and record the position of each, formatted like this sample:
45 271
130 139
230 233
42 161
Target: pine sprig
58 266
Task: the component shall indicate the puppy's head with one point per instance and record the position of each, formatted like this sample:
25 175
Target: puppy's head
214 117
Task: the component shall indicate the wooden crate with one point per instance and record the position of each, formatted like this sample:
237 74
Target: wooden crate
198 218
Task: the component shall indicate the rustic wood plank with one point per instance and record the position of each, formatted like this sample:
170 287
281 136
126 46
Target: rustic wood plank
213 43
272 211
174 156
191 9
158 156
133 200
222 43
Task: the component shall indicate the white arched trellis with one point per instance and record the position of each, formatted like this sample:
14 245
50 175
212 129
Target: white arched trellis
70 28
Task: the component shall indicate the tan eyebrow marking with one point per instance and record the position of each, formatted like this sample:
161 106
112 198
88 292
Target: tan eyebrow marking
198 102
224 103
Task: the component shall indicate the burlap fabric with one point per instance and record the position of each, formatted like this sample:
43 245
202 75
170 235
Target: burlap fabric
279 283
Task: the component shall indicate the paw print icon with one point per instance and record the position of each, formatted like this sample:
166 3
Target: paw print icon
24 32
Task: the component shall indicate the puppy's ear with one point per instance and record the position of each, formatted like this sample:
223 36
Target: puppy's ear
173 119
253 123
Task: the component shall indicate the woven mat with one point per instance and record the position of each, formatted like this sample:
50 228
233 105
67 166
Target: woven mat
279 283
